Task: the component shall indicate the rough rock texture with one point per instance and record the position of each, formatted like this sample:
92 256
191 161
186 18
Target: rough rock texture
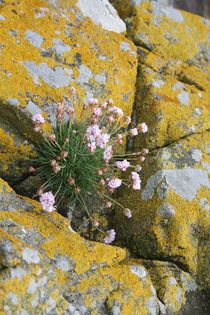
200 7
171 215
171 218
46 268
173 78
45 47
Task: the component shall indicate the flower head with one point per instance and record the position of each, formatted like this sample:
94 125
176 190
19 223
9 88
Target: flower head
93 101
127 213
114 183
38 118
136 182
128 120
108 153
47 201
52 138
122 165
93 132
102 140
91 146
117 111
138 168
73 90
110 236
97 111
133 132
143 127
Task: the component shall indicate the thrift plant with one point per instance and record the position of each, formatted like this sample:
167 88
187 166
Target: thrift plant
77 159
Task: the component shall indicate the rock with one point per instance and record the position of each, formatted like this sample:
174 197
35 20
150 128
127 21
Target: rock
173 74
176 289
46 47
102 13
200 7
173 102
171 217
46 268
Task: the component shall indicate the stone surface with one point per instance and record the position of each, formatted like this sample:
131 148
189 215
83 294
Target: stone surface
173 76
102 13
171 217
48 269
200 7
45 47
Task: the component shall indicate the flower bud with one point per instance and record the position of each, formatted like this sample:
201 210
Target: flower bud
71 181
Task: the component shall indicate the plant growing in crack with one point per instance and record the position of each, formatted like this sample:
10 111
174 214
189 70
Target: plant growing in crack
77 160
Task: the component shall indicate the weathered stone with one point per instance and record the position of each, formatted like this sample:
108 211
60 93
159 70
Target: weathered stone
171 217
55 45
172 90
176 289
46 268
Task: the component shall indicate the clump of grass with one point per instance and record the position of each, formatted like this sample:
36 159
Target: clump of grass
77 159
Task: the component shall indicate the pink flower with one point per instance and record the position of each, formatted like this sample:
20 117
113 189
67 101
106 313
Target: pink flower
71 181
73 90
110 236
120 139
136 182
52 138
142 158
102 182
143 127
64 154
108 204
133 132
70 111
104 105
138 168
114 183
93 132
38 118
127 213
108 153
57 169
128 120
47 201
91 146
144 151
102 140
111 118
93 101
116 111
122 165
97 111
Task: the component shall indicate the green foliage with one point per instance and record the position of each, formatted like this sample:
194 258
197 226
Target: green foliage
80 164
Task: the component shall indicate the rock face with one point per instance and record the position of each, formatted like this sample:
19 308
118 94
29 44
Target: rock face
200 7
45 47
171 217
48 269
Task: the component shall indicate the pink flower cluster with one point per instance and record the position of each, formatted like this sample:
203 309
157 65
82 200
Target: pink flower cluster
136 182
114 183
38 121
110 237
47 201
105 128
122 165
